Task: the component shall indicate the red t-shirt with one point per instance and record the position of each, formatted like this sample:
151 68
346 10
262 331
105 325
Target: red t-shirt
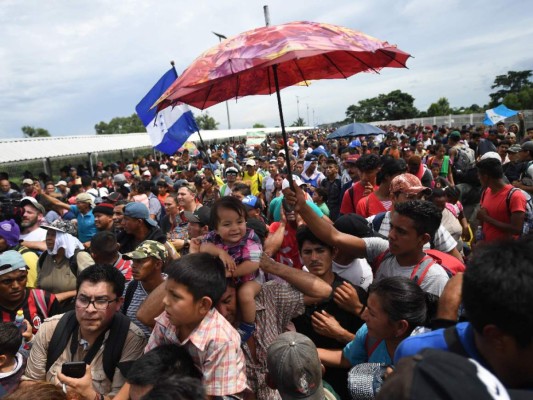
370 205
348 204
288 252
496 207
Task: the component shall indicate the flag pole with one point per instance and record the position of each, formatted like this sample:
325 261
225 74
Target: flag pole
198 131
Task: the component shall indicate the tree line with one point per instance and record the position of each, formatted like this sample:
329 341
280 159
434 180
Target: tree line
514 90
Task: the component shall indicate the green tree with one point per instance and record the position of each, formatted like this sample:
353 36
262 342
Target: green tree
206 122
391 106
119 125
31 132
299 122
523 100
258 125
512 82
441 107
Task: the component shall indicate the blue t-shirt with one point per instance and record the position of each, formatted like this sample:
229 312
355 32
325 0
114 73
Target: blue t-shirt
86 226
435 340
357 353
275 208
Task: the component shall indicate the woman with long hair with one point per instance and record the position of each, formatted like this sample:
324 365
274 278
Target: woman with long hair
395 307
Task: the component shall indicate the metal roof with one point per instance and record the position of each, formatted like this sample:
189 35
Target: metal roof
49 147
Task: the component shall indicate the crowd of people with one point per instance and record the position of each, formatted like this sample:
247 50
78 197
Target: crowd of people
362 267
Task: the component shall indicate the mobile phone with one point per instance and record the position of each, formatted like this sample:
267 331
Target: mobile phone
74 369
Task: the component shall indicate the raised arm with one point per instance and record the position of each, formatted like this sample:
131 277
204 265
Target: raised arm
55 201
326 232
311 286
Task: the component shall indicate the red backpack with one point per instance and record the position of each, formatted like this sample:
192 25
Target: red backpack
449 263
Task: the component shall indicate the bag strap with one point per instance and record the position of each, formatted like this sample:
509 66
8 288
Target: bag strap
132 287
508 199
66 325
377 221
115 344
421 269
451 337
371 344
73 262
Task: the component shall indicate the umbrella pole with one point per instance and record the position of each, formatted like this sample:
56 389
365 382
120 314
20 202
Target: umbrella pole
205 152
283 132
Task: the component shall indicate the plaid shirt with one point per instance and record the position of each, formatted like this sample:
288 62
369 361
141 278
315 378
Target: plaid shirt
248 249
214 346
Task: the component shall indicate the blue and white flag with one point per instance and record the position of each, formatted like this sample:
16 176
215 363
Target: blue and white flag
168 128
495 115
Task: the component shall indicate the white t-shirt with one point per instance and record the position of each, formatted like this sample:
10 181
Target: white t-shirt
434 281
358 272
38 235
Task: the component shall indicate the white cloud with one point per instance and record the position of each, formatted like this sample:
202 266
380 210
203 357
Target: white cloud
66 66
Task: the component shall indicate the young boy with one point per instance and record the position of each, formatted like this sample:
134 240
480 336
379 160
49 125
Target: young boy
12 362
194 286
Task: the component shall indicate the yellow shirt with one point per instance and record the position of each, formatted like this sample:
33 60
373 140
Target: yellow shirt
255 181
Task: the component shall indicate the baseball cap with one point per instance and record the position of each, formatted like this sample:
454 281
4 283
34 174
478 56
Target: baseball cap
119 178
104 208
147 173
527 146
138 211
163 166
295 178
311 157
408 184
491 154
355 225
10 261
179 183
455 135
250 162
438 374
200 215
294 366
232 170
515 148
85 198
148 248
352 158
511 134
53 228
34 203
61 183
10 232
129 167
114 197
251 201
27 181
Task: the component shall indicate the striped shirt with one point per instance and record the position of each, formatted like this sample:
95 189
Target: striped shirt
214 346
138 297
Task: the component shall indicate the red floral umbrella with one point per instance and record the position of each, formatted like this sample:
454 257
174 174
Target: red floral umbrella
267 59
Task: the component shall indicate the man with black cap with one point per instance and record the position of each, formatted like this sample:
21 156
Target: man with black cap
526 179
198 226
103 217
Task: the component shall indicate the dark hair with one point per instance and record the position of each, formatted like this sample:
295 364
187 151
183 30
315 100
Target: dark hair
38 390
10 339
437 192
144 186
176 388
229 203
497 288
368 162
242 188
425 215
402 298
390 167
102 273
155 165
453 192
304 234
490 167
160 362
104 243
86 181
322 193
202 274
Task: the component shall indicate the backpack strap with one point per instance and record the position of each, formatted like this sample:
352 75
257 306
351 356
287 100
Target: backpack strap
508 199
40 261
379 259
421 269
451 337
132 287
114 346
371 344
378 220
73 262
66 325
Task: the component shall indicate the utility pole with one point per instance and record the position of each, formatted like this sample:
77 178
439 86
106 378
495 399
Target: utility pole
308 121
220 37
298 106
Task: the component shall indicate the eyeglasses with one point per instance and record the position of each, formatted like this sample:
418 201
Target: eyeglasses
98 304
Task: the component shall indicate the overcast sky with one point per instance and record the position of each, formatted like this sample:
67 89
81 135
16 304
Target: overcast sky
67 65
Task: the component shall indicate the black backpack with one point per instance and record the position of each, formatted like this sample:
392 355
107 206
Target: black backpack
132 287
68 327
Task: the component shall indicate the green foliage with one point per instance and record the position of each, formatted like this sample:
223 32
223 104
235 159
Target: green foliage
31 132
523 100
206 122
119 125
299 122
441 107
391 106
258 125
511 83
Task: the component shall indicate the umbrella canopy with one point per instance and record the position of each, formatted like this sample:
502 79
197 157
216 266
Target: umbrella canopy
355 129
301 51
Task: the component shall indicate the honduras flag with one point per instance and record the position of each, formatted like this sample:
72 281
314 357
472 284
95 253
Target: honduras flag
168 128
495 115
